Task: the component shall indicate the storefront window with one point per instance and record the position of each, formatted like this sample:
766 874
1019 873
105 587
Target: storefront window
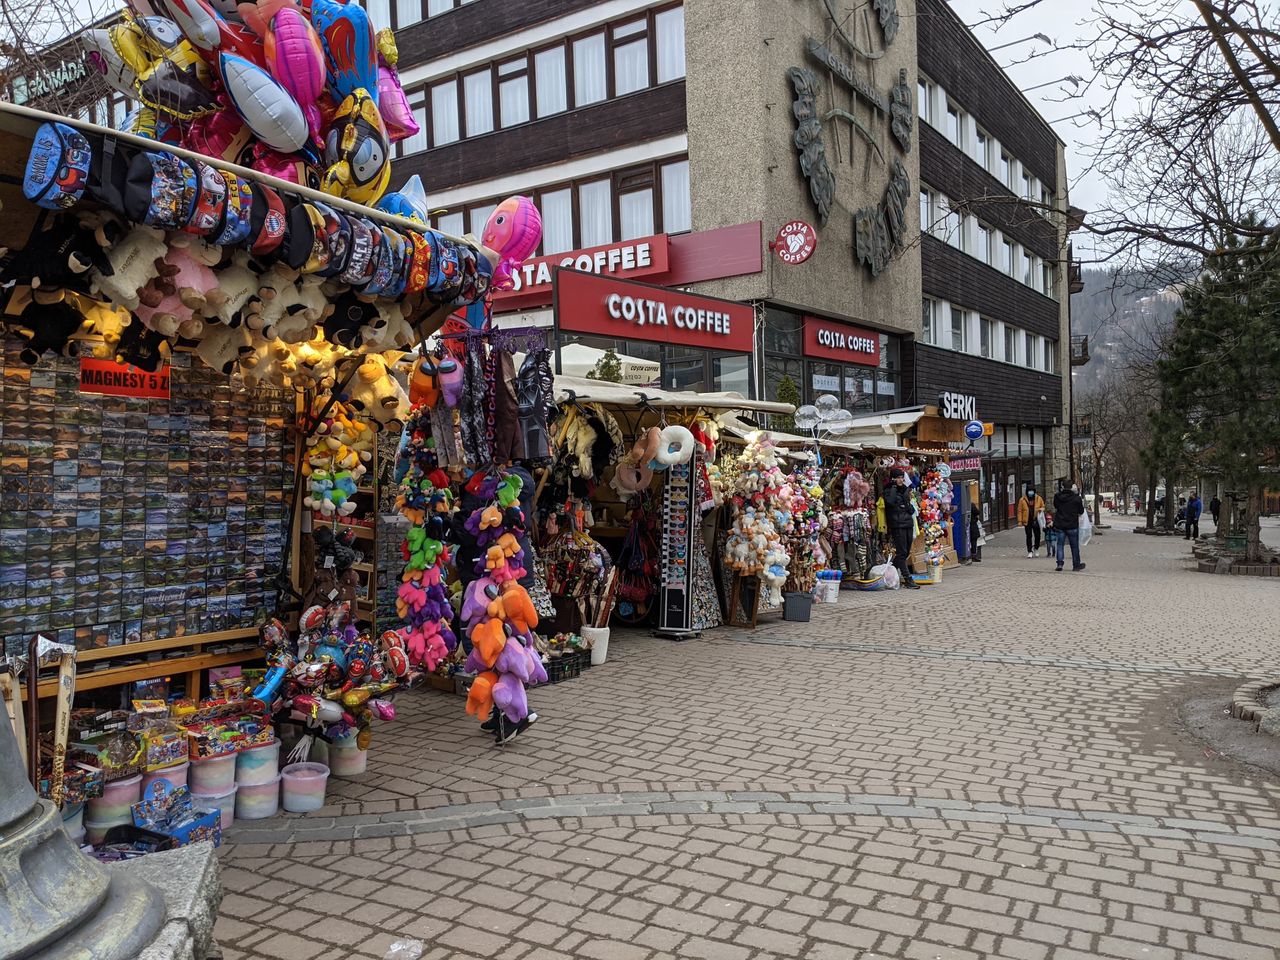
824 378
732 373
782 332
776 368
859 389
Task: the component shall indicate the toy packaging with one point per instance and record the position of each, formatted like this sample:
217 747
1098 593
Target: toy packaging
169 811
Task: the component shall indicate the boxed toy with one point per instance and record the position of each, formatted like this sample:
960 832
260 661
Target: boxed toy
169 811
226 726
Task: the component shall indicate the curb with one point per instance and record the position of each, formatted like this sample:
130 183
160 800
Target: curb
1246 705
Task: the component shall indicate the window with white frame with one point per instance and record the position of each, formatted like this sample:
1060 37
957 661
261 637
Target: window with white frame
986 244
1007 166
477 89
1028 268
478 216
1046 199
453 224
1029 356
444 113
950 223
630 57
1049 280
924 98
589 70
556 208
513 92
926 212
959 339
1029 191
987 338
1050 356
1008 258
595 205
418 106
676 208
1010 344
955 125
981 147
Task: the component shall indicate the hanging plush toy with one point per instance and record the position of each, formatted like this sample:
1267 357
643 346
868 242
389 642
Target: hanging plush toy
513 231
356 151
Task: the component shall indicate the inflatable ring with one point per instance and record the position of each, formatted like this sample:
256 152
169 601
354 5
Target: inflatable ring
675 446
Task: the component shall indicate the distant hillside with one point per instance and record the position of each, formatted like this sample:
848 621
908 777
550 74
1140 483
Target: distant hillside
1123 315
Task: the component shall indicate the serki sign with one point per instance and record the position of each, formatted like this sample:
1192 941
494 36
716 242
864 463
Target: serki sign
795 243
833 340
609 307
958 406
646 256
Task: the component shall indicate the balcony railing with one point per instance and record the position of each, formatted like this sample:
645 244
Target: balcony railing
1075 277
1079 351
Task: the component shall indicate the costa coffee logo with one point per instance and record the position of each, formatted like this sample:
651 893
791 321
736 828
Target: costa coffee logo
837 340
795 242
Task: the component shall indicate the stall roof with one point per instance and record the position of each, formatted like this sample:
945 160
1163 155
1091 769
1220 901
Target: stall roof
621 395
870 427
739 428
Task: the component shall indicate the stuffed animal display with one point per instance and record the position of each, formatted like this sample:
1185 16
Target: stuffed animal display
338 452
762 496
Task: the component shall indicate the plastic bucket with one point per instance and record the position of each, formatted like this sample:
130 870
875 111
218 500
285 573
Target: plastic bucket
599 638
73 817
258 765
225 802
213 774
95 832
347 760
796 607
257 801
303 786
114 806
176 775
827 591
77 836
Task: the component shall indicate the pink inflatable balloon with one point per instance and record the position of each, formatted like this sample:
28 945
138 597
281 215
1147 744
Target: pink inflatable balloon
222 135
296 60
285 166
514 230
394 106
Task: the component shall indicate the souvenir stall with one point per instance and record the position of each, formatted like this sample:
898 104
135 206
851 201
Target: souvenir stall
205 323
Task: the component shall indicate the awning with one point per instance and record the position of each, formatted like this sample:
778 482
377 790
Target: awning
870 428
577 360
622 395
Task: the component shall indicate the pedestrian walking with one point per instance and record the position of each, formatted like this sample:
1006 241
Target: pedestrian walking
976 533
1068 508
1050 535
1215 508
1193 517
900 518
1031 518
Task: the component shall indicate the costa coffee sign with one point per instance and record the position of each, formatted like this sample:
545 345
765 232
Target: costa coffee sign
795 242
833 340
647 256
608 307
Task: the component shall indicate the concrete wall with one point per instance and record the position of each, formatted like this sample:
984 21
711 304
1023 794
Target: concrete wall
743 163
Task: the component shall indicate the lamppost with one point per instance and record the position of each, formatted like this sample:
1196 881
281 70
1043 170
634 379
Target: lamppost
1012 43
1092 114
1071 79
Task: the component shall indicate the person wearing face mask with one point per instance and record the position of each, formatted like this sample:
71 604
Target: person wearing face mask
900 515
1030 507
1068 508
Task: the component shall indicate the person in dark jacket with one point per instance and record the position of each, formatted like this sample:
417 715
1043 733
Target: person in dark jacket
1215 508
975 524
1068 508
899 517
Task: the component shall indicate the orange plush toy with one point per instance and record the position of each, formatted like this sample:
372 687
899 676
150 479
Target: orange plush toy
480 697
489 638
424 383
516 608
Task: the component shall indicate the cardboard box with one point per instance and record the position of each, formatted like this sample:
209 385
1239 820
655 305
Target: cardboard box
168 811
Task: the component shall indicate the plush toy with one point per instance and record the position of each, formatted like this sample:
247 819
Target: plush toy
489 637
60 258
297 308
223 347
579 441
134 262
168 315
53 321
517 608
509 696
193 278
105 321
480 696
142 348
236 284
388 329
376 391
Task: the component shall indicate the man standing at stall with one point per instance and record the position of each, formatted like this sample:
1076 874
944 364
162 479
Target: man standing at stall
900 517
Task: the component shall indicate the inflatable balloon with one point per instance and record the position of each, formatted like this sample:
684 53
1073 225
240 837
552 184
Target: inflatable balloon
178 84
197 20
392 102
274 117
287 167
513 230
295 58
101 55
222 134
347 39
356 151
409 201
143 41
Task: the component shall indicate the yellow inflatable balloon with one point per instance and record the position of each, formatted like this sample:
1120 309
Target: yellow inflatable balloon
356 151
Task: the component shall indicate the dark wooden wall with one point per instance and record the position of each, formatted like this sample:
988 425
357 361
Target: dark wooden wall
959 278
476 23
1005 393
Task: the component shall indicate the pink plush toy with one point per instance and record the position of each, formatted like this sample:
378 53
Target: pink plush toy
196 283
513 231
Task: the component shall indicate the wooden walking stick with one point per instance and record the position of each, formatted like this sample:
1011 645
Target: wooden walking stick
62 723
11 690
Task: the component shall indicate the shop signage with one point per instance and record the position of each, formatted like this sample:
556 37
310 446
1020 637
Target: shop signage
49 80
608 307
644 257
958 406
974 430
122 380
833 340
961 464
795 242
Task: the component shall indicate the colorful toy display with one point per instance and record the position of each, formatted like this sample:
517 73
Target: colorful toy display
762 497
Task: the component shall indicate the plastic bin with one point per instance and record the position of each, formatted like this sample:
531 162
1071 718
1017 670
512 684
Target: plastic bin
347 760
73 817
95 832
225 802
796 606
115 804
212 775
599 637
257 801
303 786
176 775
258 765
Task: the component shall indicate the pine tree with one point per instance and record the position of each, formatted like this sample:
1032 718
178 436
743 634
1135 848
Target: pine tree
787 392
1220 378
608 367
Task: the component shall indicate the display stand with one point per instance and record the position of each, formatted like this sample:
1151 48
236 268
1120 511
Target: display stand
675 596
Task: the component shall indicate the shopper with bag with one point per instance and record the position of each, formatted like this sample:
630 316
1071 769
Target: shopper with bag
1069 518
1031 518
900 516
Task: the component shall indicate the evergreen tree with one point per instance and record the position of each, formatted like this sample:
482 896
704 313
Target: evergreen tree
608 367
1220 378
787 392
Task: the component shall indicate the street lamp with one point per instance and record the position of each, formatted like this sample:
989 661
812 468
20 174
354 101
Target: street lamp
1092 114
1011 43
1071 79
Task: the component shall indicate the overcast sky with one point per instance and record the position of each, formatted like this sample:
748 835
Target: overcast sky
1065 23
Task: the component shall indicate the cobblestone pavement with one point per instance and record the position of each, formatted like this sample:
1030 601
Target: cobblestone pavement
991 767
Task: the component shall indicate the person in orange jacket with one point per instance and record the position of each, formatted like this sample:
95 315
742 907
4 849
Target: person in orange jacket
1029 509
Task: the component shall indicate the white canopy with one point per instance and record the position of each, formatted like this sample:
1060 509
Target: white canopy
622 395
577 359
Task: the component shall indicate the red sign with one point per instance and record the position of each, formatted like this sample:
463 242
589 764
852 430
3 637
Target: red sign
122 380
608 307
795 242
833 340
630 258
966 463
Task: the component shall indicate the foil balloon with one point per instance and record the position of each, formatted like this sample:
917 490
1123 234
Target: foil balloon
178 82
197 20
222 134
513 231
141 42
287 167
356 151
101 56
392 102
346 35
410 201
295 58
274 117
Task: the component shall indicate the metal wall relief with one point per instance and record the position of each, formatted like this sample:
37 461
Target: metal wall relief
808 140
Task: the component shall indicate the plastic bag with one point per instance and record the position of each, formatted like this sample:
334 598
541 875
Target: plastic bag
405 950
1086 529
889 574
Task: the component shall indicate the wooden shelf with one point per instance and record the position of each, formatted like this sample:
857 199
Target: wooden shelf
114 676
168 643
363 567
